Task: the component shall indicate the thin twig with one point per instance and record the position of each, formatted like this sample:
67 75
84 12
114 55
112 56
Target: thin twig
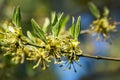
85 31
97 57
100 57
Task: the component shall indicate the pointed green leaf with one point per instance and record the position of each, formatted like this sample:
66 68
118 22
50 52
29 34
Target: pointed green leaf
56 28
77 28
72 29
106 12
16 19
95 11
38 31
60 19
60 15
31 37
64 22
46 25
53 18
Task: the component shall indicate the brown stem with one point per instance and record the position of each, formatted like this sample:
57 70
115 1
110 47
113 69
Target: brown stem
99 57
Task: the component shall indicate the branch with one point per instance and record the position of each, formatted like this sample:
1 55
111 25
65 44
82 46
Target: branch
99 57
86 31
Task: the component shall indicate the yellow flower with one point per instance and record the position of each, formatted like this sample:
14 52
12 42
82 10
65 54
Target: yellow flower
103 27
74 43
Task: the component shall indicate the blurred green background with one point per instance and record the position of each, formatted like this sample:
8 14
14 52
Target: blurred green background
91 69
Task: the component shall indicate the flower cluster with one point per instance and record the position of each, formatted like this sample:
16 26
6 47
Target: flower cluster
11 44
41 47
103 27
20 48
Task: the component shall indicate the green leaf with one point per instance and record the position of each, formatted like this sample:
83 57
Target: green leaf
106 12
77 28
64 22
60 15
53 18
56 28
38 31
31 37
16 19
72 29
60 20
46 25
95 11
